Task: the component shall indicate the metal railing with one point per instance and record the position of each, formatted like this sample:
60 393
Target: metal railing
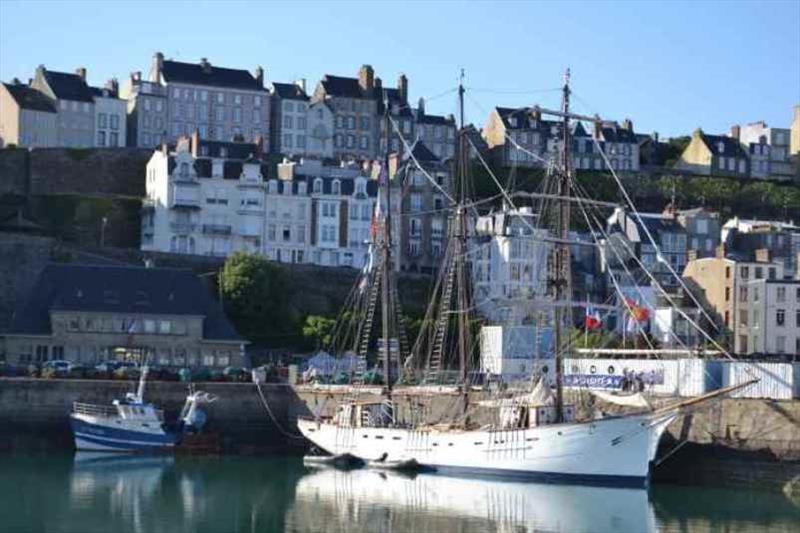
90 409
218 229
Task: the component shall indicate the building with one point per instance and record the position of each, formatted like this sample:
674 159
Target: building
702 229
437 132
721 284
514 135
509 266
111 114
74 103
400 113
714 155
320 214
205 198
768 321
27 117
780 239
289 107
92 314
768 149
670 327
354 104
148 116
221 103
319 141
424 209
630 235
794 145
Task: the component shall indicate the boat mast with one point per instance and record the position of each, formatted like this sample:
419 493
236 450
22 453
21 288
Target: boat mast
386 251
461 236
562 272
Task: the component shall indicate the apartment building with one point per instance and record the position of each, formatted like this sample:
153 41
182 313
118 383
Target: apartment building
290 109
90 314
74 103
721 284
147 112
421 223
509 266
205 198
27 117
319 141
702 229
768 321
437 132
111 115
781 239
354 104
768 149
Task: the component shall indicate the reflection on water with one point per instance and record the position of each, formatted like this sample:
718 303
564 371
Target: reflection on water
101 493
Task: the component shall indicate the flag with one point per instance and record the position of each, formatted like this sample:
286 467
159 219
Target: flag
592 319
640 313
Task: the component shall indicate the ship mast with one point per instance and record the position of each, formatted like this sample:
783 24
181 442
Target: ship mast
561 274
386 253
461 237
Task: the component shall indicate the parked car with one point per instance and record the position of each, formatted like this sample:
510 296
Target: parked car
60 366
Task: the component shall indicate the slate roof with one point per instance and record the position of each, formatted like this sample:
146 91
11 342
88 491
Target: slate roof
347 185
28 98
612 132
437 120
233 150
342 86
422 153
730 146
68 86
193 73
289 91
120 289
98 92
402 109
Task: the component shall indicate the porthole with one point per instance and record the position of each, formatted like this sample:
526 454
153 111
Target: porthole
592 369
611 369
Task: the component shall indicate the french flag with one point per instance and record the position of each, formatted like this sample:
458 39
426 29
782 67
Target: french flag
592 319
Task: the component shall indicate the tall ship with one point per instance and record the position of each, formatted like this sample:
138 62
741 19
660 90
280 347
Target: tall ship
432 408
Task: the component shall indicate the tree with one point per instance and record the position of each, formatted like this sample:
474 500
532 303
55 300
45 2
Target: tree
254 296
319 329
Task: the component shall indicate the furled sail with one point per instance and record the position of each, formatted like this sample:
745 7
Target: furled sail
625 400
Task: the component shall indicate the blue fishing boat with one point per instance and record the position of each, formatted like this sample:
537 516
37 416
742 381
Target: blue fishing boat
131 425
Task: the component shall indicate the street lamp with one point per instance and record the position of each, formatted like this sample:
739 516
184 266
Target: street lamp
103 232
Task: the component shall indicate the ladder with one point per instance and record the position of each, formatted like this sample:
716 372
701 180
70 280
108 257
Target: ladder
445 303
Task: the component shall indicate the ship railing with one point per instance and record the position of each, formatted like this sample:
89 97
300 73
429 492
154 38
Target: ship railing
89 409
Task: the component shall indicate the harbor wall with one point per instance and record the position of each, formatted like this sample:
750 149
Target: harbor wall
733 442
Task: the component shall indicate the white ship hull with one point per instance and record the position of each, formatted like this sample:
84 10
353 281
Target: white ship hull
615 450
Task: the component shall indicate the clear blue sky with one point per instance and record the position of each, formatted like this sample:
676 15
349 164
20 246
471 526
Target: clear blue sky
670 67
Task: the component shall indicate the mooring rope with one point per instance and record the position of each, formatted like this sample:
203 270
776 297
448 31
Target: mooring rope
272 416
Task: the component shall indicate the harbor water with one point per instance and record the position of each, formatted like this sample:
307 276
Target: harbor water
66 493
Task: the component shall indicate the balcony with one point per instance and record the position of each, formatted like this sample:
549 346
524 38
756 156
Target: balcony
182 227
217 229
185 202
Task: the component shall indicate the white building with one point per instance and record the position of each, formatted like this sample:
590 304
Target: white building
769 318
205 198
111 114
288 223
509 266
319 140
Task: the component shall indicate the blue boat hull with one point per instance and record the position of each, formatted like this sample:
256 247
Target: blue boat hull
97 437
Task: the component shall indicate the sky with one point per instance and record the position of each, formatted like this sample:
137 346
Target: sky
671 67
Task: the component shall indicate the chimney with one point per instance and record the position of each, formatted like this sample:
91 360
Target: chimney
421 107
735 132
16 81
366 79
136 76
205 65
378 87
260 76
720 251
113 86
158 64
402 87
598 127
655 136
82 73
302 84
536 113
762 255
628 124
164 148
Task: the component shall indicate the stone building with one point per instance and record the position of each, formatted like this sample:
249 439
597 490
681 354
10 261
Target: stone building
148 115
27 117
423 209
111 114
89 314
289 105
702 229
714 155
768 149
74 103
781 239
437 132
354 103
222 104
205 198
319 141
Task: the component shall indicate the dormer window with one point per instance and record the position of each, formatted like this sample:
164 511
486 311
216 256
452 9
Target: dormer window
512 121
318 185
204 150
721 147
184 173
361 187
223 152
337 187
301 188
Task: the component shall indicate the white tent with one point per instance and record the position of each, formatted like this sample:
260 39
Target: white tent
322 363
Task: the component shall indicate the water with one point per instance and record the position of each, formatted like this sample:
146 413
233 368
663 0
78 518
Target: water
91 493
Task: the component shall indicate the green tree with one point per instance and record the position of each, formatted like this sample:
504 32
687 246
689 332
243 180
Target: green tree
319 329
255 298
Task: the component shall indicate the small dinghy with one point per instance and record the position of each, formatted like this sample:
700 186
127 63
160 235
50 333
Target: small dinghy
344 460
405 465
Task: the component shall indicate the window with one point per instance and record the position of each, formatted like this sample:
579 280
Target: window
164 327
271 232
797 318
329 210
287 140
780 317
288 121
742 294
365 123
727 272
256 116
237 115
301 141
101 138
337 187
781 294
287 234
745 272
101 120
780 344
149 326
364 142
301 236
416 202
317 185
727 294
759 272
257 101
772 273
743 317
220 98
